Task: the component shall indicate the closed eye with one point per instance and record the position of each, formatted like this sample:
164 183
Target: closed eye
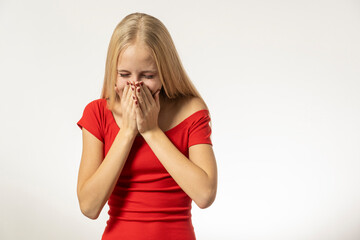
124 75
127 75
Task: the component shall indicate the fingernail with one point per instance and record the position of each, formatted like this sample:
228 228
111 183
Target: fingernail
142 83
132 88
135 101
127 83
138 89
133 97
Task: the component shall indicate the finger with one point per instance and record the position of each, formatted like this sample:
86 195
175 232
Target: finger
130 93
129 98
132 113
138 111
142 86
135 95
134 104
157 98
130 101
141 97
124 91
147 96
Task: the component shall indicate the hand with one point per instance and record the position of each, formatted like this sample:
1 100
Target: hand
147 108
127 105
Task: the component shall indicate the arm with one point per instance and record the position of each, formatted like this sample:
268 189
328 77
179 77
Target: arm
197 176
97 178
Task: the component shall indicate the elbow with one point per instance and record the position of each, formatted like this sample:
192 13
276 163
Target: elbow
206 203
89 212
207 200
90 215
88 207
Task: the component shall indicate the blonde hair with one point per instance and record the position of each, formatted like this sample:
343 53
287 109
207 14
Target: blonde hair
153 33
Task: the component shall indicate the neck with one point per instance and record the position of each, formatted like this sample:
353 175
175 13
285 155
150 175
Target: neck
164 102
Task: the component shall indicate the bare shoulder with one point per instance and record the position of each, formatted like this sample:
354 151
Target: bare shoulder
195 104
175 112
191 105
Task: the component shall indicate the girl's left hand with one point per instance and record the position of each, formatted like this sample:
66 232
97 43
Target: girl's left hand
147 108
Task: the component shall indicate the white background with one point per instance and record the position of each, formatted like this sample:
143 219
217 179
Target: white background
281 79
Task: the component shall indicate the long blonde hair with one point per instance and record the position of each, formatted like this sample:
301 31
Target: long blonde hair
151 31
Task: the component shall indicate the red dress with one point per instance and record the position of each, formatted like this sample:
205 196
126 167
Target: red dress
147 203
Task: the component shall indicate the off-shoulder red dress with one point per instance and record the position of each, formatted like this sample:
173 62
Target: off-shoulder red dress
147 203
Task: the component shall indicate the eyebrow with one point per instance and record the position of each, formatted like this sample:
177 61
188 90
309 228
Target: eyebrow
146 71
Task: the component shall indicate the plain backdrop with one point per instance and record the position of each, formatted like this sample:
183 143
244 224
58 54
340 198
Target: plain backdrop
281 79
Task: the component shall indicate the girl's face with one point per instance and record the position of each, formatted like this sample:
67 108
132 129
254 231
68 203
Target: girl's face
137 64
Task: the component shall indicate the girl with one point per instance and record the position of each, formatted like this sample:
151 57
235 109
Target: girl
146 141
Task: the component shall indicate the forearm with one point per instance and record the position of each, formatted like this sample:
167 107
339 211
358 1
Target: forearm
193 180
98 188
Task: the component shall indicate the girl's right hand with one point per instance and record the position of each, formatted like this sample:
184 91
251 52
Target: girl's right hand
128 113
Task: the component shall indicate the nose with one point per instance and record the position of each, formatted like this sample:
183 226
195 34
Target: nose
135 79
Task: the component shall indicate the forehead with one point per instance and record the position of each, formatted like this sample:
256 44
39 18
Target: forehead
136 55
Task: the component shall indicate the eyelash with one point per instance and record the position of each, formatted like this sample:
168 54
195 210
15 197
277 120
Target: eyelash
146 76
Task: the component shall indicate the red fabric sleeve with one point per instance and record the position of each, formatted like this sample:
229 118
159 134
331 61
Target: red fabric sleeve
200 130
91 120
